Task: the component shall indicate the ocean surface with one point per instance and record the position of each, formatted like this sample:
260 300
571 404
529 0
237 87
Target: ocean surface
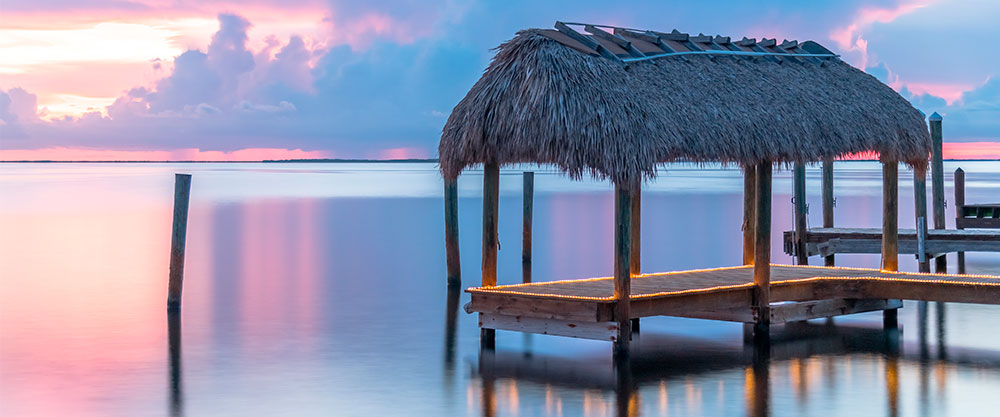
319 289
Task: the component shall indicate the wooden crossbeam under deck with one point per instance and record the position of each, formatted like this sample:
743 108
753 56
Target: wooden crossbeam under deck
721 294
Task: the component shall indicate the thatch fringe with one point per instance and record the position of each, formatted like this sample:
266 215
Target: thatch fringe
542 102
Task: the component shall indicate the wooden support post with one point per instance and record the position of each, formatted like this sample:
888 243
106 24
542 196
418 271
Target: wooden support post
890 230
762 254
749 211
920 213
178 239
799 192
937 185
959 208
635 244
828 202
623 228
528 200
890 214
451 233
491 199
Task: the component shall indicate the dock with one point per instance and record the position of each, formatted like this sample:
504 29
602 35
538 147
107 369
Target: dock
826 241
584 308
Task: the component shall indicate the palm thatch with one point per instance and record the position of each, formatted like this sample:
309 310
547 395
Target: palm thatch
541 101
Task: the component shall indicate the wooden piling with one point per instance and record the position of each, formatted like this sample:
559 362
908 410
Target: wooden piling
762 253
890 230
451 233
491 199
178 239
890 216
635 245
799 192
828 202
937 185
920 210
959 207
749 212
623 228
528 201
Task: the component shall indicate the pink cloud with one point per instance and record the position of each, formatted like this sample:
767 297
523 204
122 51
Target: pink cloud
950 92
402 153
187 154
849 38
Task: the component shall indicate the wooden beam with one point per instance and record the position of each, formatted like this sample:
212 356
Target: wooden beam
623 228
808 310
491 199
606 331
673 36
747 41
178 241
527 199
960 211
828 202
451 233
635 245
799 192
837 245
542 308
762 252
890 216
617 40
920 214
937 184
749 212
590 43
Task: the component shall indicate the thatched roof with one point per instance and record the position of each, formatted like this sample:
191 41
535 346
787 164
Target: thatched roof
551 98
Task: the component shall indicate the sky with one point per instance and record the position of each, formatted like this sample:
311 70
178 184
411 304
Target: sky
270 79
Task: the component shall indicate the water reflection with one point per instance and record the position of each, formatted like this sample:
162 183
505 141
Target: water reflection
676 361
176 375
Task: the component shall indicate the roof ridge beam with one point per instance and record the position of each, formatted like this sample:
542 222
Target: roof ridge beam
647 36
747 41
616 39
590 43
672 36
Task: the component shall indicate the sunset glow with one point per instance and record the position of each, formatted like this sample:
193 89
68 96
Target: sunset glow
151 79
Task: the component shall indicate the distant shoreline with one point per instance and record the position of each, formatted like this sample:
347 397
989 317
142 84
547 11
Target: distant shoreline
337 161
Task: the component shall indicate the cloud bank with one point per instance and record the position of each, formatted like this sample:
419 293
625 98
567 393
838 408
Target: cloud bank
385 78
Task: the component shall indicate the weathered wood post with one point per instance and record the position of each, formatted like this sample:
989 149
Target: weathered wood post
762 254
937 184
528 201
491 199
451 233
799 192
828 202
178 240
959 207
920 210
749 212
623 228
890 229
635 244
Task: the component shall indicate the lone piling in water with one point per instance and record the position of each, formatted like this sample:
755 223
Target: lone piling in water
178 238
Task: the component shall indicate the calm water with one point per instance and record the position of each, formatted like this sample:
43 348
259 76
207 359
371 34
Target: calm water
319 289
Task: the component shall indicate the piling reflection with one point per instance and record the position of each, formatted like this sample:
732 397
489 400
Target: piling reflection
801 350
176 395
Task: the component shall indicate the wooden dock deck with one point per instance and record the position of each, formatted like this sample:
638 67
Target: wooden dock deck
826 241
585 307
